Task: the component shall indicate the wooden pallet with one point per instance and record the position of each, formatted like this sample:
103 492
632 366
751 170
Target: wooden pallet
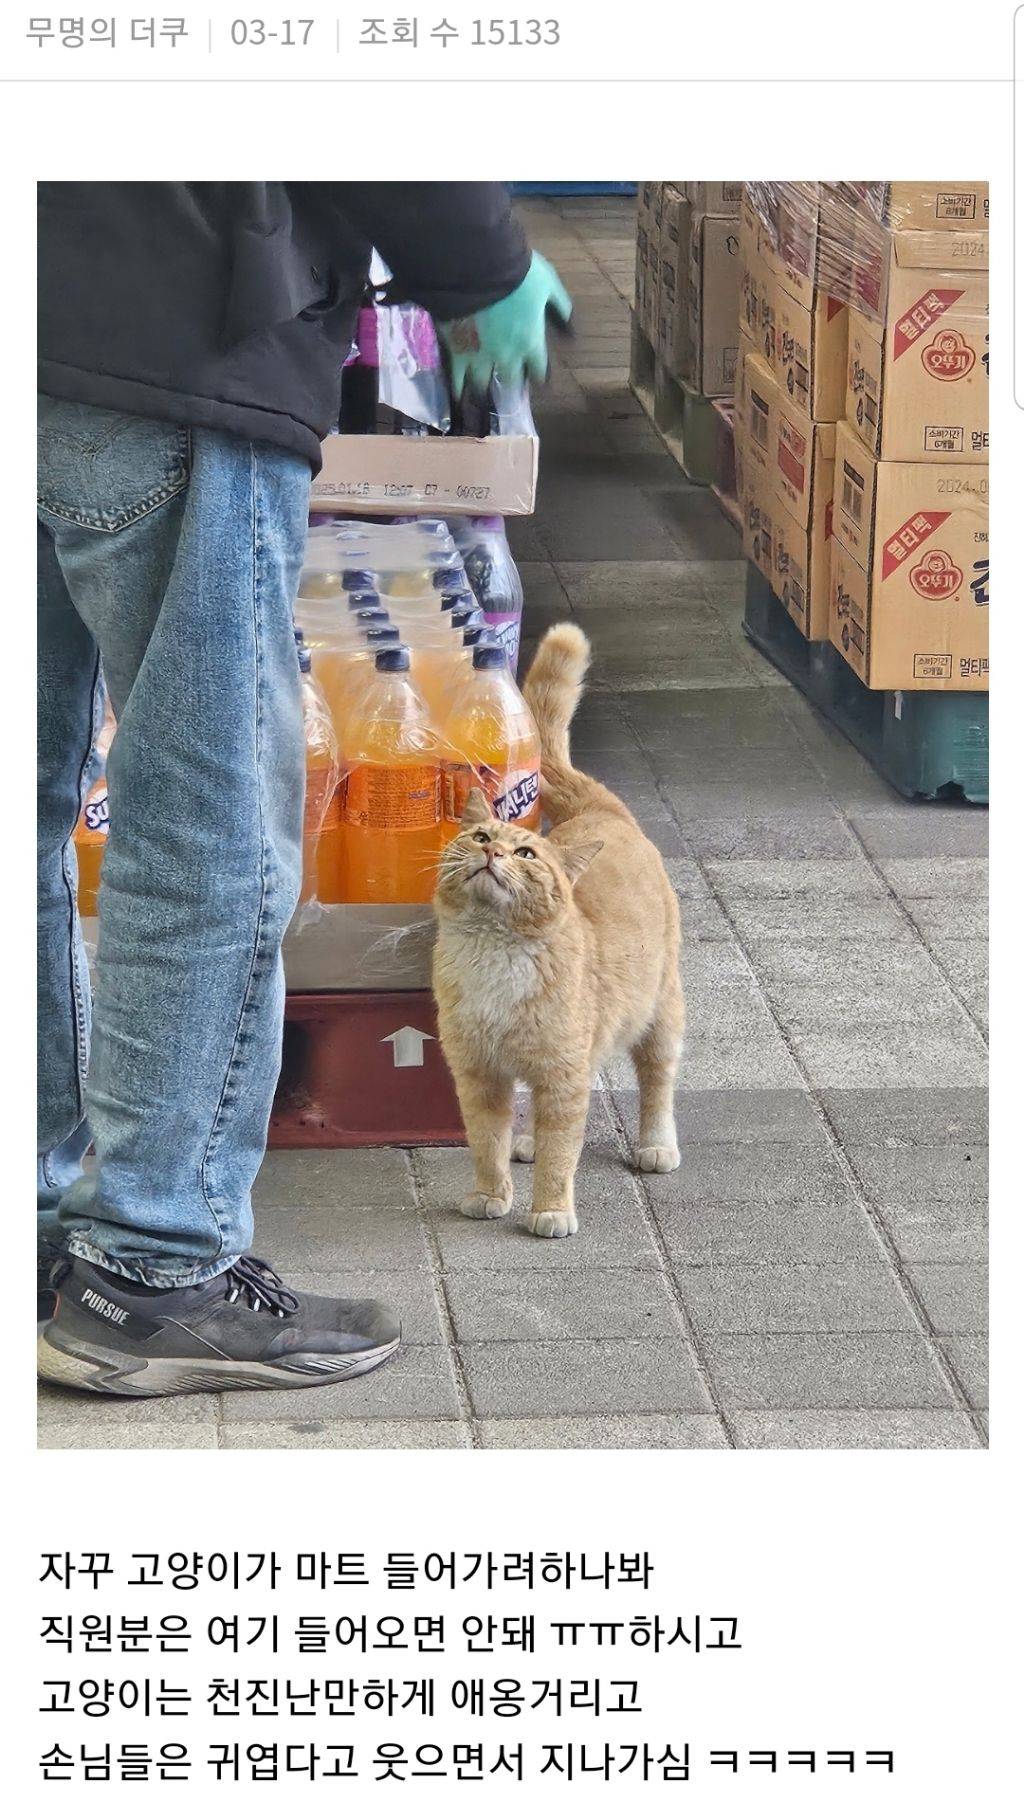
684 420
929 746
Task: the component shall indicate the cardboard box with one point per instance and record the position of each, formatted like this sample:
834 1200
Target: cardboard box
756 287
674 278
640 264
917 377
803 567
714 306
802 517
792 461
378 474
808 237
790 241
722 199
758 530
641 305
652 288
757 396
646 196
921 206
811 347
910 571
804 457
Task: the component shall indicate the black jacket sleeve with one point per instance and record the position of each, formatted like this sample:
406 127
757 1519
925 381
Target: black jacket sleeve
453 246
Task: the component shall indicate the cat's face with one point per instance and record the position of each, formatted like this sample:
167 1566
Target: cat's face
524 879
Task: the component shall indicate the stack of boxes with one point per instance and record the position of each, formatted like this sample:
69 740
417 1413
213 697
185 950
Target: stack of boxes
861 400
909 588
687 284
790 391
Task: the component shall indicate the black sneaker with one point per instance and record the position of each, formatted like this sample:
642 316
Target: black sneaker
242 1330
47 1258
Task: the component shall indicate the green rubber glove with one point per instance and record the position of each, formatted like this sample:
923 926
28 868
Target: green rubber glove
509 338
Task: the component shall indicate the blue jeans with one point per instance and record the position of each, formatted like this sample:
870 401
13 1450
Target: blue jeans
170 558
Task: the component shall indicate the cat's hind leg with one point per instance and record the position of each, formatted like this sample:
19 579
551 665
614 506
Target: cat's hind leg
486 1101
656 1060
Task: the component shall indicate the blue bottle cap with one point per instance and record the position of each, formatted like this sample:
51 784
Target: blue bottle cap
469 615
305 660
372 616
358 578
488 656
453 596
395 660
448 578
382 635
362 597
474 635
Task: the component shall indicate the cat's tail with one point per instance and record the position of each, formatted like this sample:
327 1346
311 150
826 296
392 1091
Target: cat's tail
552 690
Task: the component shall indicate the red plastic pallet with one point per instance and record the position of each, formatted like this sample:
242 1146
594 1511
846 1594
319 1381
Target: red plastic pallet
363 1069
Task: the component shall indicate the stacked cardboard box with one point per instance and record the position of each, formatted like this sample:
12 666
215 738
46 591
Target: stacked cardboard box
790 392
648 265
698 303
909 580
687 280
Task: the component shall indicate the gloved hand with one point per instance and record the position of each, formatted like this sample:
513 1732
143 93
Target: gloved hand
507 339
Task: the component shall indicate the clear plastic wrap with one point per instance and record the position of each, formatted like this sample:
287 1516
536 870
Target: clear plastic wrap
422 708
910 262
845 237
493 577
320 819
411 378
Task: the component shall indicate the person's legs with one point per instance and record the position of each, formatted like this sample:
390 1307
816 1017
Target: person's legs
180 555
67 701
181 563
181 570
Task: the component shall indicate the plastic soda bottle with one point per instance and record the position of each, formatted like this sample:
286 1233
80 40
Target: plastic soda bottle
392 789
491 742
90 844
439 664
322 816
494 579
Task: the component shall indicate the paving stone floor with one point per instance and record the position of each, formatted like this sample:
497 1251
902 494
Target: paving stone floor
814 1274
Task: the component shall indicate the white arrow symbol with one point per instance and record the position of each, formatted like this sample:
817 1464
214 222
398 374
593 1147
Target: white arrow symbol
407 1044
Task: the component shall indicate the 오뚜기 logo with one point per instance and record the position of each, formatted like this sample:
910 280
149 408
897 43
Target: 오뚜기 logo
948 357
936 577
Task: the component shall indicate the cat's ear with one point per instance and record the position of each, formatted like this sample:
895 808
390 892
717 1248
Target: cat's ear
477 808
577 858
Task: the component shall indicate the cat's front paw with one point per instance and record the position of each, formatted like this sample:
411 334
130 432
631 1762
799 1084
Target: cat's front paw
522 1148
484 1207
658 1159
553 1223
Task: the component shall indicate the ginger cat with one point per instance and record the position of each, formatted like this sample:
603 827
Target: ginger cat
552 955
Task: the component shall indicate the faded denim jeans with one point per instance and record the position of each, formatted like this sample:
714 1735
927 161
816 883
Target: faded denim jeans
169 557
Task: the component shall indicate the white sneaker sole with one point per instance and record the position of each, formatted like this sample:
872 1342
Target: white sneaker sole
76 1365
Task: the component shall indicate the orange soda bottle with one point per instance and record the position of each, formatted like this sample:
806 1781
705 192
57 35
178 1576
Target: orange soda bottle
90 844
439 664
321 819
391 811
93 826
490 742
329 643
